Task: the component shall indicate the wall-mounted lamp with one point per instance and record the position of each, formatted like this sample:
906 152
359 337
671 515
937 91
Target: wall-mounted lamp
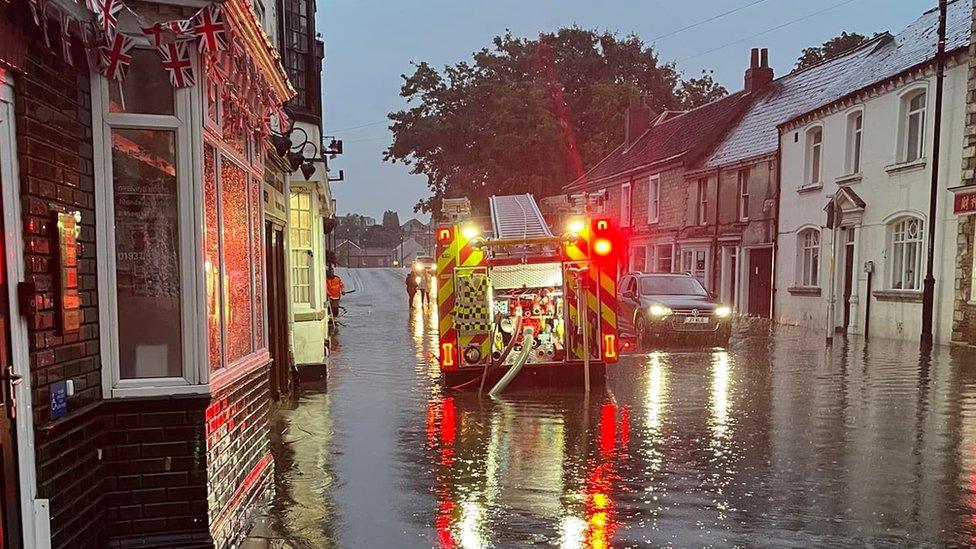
295 154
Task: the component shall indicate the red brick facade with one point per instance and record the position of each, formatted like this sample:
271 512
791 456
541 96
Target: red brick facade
135 472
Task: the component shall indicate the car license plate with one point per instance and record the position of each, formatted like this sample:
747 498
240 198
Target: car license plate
696 320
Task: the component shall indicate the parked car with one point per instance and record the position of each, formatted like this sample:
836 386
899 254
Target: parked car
673 308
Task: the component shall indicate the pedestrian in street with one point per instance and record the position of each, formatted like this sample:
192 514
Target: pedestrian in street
334 287
424 286
412 283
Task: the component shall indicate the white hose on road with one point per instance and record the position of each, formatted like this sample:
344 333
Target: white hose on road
520 360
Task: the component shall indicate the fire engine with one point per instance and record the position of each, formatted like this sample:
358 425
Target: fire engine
517 302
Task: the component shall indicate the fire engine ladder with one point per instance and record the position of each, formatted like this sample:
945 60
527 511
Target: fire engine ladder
516 217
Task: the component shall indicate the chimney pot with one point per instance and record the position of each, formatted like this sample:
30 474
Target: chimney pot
759 73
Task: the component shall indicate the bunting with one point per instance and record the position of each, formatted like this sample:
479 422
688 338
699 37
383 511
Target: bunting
66 39
176 61
107 15
115 57
210 28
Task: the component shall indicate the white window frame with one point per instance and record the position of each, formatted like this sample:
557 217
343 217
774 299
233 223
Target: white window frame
186 123
653 258
813 157
634 256
654 198
293 247
806 252
855 142
894 241
742 195
626 205
701 202
906 114
694 250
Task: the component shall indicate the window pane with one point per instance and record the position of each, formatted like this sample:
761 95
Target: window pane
147 251
258 238
212 258
146 89
237 260
914 131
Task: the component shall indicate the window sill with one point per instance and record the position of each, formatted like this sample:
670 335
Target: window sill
226 376
806 291
898 296
848 179
309 315
809 188
905 166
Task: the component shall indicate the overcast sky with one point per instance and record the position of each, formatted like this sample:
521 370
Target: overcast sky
370 43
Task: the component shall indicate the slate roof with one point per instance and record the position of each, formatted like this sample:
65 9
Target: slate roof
794 94
681 133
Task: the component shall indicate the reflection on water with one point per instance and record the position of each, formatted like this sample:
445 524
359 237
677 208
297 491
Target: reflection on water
526 467
777 442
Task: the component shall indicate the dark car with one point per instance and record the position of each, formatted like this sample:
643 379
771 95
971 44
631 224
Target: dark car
673 308
425 263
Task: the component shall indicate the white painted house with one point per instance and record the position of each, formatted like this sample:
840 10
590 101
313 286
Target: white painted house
865 156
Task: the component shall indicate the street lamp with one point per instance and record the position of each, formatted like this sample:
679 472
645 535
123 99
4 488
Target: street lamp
295 154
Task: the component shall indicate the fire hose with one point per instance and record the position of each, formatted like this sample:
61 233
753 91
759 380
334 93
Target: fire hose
516 366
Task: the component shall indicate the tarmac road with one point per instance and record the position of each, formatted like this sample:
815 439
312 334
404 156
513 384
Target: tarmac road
776 442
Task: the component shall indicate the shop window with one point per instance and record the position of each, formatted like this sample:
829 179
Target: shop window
146 89
147 253
808 260
237 259
906 253
212 265
300 242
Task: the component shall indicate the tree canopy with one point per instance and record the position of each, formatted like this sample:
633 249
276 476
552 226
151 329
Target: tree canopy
830 48
529 115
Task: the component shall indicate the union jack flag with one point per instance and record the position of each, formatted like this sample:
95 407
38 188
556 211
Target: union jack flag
107 14
92 53
170 31
66 39
210 27
176 61
115 58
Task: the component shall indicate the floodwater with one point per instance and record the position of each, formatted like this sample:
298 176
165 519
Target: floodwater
777 442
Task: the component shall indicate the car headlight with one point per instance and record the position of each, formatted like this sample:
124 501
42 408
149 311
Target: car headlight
659 311
723 311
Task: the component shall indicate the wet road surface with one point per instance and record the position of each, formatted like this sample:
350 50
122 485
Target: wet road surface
777 442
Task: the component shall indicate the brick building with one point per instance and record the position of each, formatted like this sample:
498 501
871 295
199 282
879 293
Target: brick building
132 304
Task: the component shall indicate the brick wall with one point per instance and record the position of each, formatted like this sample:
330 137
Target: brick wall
155 451
964 314
240 465
53 110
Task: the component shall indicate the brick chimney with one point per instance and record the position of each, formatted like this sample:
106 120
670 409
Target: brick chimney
637 120
759 72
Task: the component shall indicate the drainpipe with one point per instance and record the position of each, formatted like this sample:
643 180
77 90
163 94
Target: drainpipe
716 260
928 286
776 188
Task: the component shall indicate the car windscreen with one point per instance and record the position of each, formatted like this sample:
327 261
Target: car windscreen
671 285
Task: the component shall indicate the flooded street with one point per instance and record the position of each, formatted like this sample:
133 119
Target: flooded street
776 442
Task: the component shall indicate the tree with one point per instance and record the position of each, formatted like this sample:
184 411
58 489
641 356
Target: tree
830 48
696 92
526 115
350 227
391 220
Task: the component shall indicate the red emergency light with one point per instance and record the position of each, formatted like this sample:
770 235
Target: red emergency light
447 354
602 246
